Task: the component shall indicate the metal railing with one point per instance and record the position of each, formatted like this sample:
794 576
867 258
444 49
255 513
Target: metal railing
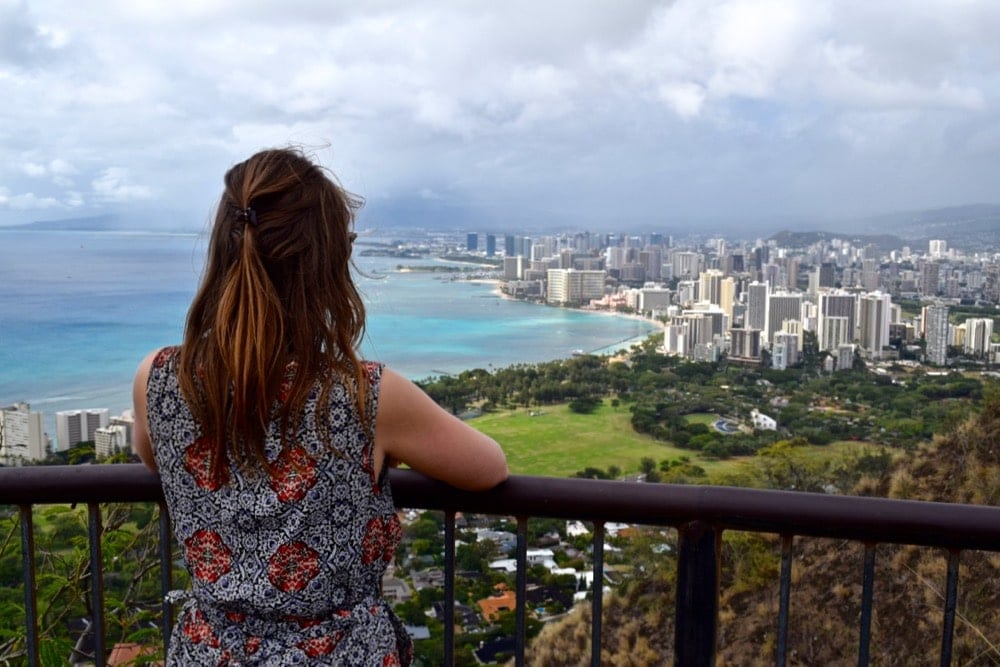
699 513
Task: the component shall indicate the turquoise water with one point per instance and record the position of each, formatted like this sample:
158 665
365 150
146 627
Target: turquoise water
78 310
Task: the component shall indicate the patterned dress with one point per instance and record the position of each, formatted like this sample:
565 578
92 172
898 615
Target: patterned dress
285 570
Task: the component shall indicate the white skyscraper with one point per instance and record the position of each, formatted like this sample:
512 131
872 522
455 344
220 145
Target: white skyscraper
978 332
873 323
21 434
76 426
568 286
710 287
110 440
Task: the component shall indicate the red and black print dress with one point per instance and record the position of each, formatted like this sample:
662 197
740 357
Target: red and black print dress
284 570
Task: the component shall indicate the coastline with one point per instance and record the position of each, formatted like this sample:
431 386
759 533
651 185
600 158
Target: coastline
417 321
610 349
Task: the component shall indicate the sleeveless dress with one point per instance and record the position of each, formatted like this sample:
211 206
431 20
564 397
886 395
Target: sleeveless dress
285 570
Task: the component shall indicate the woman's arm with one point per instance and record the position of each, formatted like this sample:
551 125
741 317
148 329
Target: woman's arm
140 432
412 429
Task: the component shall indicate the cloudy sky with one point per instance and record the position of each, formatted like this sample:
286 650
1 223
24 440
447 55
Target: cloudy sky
525 113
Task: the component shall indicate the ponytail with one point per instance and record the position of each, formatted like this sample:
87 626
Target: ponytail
247 333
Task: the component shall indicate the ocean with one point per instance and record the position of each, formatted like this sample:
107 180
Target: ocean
80 309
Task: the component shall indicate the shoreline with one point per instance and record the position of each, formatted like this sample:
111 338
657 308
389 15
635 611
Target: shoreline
624 344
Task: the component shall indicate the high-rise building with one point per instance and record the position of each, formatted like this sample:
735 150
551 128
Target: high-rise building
513 267
744 345
491 245
837 312
930 273
614 257
781 307
110 440
784 350
937 248
869 274
836 331
713 315
978 333
509 245
791 275
756 317
21 434
126 419
652 260
873 323
827 274
76 426
727 298
569 286
700 328
935 324
525 248
710 287
675 338
687 292
845 357
472 241
653 299
686 264
771 275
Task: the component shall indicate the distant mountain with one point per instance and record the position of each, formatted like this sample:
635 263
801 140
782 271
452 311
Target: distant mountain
131 220
97 223
973 228
790 239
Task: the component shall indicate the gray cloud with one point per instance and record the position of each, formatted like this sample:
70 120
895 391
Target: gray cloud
529 113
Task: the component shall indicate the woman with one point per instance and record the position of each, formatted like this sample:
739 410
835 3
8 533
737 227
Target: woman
272 438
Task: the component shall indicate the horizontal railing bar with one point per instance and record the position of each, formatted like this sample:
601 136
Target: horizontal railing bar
782 512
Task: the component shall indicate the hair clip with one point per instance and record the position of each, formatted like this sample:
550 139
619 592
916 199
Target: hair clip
247 215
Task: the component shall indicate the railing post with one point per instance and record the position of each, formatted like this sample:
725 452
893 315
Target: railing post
781 651
597 600
449 587
867 593
166 574
697 604
28 570
521 584
96 583
950 605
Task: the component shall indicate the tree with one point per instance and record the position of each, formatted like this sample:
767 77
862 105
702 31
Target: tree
584 405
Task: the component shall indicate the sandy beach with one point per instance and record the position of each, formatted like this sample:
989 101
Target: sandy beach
613 348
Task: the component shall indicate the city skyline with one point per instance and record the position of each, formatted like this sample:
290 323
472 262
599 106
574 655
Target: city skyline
779 113
750 302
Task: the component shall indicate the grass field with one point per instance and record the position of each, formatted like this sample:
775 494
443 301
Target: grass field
706 418
555 442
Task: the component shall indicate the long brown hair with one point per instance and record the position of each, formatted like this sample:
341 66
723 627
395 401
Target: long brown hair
277 293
